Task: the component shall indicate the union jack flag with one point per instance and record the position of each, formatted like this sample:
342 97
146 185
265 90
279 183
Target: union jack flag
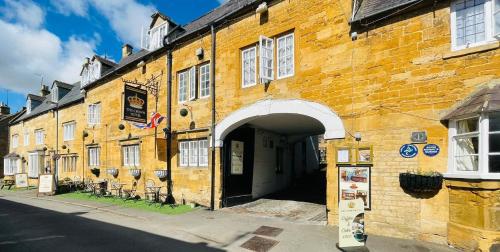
156 119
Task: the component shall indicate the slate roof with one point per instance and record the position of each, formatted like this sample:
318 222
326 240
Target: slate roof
74 95
35 97
63 85
371 8
105 61
487 99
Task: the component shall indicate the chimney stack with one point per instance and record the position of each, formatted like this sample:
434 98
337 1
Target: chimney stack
126 50
44 91
4 109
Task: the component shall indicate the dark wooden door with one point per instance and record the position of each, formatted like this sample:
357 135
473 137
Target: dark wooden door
238 166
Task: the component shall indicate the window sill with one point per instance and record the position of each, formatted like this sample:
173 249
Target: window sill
477 49
476 176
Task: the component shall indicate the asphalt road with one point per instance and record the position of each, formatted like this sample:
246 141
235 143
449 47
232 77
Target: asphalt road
28 228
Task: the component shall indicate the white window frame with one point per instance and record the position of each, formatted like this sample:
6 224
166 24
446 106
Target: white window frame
193 153
204 80
156 35
26 140
266 57
39 137
192 83
94 157
28 106
94 114
483 167
279 55
69 129
15 140
91 73
55 94
69 163
182 79
488 23
496 13
252 52
11 166
131 156
35 164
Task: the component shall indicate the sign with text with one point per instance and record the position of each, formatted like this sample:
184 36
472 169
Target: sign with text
21 180
431 150
46 184
237 148
135 105
351 223
354 183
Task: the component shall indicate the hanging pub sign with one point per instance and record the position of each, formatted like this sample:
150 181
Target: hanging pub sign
135 105
355 183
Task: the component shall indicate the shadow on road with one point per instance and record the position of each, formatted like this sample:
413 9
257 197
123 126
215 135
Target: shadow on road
28 228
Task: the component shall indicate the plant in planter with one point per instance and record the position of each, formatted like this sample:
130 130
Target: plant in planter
96 171
161 174
136 173
418 182
112 171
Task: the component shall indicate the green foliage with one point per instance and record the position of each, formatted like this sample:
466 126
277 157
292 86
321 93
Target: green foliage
426 173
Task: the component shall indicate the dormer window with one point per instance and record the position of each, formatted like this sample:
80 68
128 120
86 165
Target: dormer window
155 38
28 106
55 94
91 72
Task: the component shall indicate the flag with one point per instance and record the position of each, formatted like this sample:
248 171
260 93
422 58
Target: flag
156 119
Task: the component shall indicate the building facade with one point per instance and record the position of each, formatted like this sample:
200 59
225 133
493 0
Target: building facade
247 89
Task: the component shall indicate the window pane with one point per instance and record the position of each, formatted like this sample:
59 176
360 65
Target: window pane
467 146
494 143
467 163
495 122
467 125
494 163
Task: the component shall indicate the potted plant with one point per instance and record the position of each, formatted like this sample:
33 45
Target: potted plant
136 173
417 181
96 171
112 171
161 174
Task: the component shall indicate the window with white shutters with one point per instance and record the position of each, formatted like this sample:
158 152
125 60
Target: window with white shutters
94 155
192 83
69 131
266 58
183 92
39 137
131 155
286 56
248 67
204 80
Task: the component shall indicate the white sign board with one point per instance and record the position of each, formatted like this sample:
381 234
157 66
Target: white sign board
21 180
46 184
237 148
351 223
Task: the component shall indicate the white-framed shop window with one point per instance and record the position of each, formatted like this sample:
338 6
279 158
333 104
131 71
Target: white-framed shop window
39 137
474 150
183 87
15 141
473 22
11 166
69 131
35 164
193 153
131 155
266 53
249 67
204 80
286 56
94 156
94 114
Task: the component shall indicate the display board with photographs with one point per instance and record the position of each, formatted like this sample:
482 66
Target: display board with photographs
355 183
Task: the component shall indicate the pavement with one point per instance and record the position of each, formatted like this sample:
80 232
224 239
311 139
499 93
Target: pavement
30 223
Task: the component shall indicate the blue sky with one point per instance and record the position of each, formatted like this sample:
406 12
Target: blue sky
50 38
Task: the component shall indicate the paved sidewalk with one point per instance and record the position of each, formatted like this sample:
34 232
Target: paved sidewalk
224 230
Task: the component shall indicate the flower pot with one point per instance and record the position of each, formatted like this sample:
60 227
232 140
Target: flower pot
136 173
112 171
95 171
420 183
161 174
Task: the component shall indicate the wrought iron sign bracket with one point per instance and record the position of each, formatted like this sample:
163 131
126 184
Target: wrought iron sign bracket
151 84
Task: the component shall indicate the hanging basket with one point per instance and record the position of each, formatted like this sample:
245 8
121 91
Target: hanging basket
161 174
420 183
112 171
136 173
95 171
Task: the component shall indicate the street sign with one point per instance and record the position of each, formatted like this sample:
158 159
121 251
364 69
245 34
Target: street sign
431 150
408 151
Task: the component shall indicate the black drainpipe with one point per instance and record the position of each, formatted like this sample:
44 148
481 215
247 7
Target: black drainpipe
212 76
168 131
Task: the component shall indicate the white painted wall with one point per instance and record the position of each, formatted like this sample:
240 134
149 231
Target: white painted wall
265 178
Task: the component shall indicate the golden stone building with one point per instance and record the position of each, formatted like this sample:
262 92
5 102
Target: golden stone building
247 88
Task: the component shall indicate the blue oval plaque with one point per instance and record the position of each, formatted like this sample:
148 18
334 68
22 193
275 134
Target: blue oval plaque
408 151
431 150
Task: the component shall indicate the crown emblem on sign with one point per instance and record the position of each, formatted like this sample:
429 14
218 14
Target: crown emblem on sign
135 102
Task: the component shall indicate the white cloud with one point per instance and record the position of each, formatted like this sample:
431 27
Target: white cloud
28 51
126 17
24 12
70 7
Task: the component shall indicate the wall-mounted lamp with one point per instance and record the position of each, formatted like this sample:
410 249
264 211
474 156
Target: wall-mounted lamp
357 136
200 53
141 64
262 8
